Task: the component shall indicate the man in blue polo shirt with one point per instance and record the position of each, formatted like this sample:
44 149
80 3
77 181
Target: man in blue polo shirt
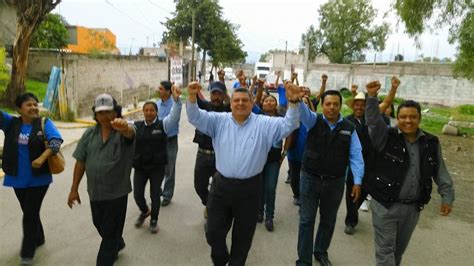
164 108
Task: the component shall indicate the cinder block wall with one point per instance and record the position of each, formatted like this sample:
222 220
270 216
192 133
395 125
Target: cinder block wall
430 83
123 77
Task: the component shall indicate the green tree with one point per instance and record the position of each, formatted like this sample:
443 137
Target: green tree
346 30
457 14
210 30
312 42
51 33
30 14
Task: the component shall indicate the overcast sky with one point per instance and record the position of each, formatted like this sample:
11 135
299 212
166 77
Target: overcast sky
264 24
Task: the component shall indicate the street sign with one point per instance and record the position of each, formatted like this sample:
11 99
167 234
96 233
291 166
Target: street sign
176 70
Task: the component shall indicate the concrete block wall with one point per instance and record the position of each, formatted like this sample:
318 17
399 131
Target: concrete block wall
125 78
429 83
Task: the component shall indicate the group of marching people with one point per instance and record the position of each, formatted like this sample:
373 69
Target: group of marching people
242 138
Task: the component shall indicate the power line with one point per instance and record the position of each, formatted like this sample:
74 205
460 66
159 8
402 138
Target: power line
153 3
125 14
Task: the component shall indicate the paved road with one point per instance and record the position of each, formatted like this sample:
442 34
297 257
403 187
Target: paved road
71 239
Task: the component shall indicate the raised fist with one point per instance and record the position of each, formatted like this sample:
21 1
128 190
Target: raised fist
193 87
395 82
373 88
324 77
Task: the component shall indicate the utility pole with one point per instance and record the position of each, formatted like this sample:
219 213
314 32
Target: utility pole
192 70
286 50
306 58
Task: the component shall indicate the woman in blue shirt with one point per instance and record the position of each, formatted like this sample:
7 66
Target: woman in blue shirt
25 165
271 169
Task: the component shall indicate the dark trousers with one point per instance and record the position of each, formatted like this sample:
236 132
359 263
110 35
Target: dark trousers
33 235
109 218
325 193
352 216
204 168
232 202
269 184
140 179
294 170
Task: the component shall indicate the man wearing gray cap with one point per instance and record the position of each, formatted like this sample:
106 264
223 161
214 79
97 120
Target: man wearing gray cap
205 166
105 153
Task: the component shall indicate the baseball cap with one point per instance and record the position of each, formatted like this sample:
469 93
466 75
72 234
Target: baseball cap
104 102
217 86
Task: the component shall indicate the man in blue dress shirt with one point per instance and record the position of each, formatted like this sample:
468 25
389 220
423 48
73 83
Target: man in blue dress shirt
332 145
164 108
241 142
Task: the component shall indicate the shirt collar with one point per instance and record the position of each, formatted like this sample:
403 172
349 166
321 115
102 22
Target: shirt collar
419 133
154 121
339 120
245 122
166 102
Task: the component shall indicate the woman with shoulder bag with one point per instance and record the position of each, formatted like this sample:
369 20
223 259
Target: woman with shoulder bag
25 165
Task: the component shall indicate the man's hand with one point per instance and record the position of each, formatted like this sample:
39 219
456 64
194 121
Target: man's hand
119 124
354 89
395 82
293 91
278 73
355 194
73 196
176 91
373 88
260 83
38 162
193 88
324 77
445 209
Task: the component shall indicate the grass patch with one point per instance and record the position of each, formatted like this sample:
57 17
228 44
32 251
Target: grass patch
38 88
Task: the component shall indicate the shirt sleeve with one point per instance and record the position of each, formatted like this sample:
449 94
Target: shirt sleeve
5 120
51 131
281 127
257 110
443 181
173 117
307 117
356 160
378 130
202 120
80 153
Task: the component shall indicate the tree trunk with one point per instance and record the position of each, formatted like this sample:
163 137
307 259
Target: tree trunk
19 64
203 64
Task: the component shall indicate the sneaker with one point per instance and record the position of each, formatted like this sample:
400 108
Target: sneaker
154 226
296 201
141 219
260 218
205 213
269 225
349 230
363 207
26 261
165 202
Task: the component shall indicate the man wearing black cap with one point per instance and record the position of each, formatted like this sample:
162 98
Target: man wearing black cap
205 166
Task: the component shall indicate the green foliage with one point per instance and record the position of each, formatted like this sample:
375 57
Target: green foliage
457 14
345 31
4 77
51 33
311 34
38 88
467 109
213 34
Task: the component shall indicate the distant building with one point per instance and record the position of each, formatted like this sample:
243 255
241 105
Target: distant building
91 40
153 51
277 60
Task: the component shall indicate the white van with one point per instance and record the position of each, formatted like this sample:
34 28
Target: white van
262 69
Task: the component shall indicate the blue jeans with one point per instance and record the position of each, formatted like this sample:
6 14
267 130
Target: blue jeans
327 194
270 179
170 169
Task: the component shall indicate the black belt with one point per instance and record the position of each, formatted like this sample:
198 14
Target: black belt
207 152
328 176
172 138
405 201
234 180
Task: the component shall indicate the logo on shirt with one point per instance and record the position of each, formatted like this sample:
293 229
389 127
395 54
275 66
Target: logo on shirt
23 138
345 132
156 131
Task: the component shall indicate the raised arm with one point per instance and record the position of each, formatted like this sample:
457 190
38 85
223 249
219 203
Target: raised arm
173 117
290 122
387 102
378 130
202 120
354 90
324 79
258 97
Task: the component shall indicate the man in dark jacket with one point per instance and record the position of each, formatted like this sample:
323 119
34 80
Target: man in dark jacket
406 162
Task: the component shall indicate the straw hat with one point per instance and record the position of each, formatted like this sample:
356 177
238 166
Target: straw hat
359 96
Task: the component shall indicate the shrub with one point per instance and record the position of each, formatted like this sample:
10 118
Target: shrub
467 109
